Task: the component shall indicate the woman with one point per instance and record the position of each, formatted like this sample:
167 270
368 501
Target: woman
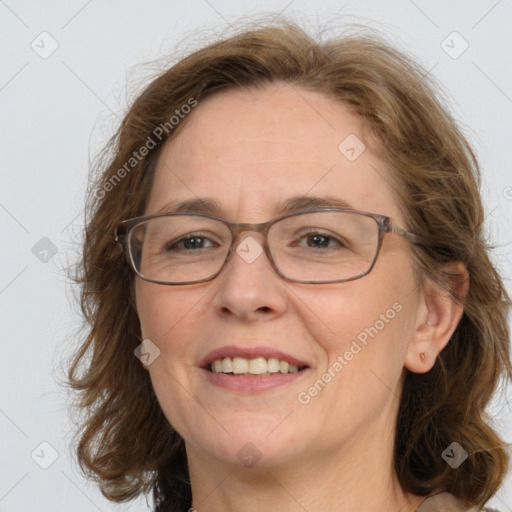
290 298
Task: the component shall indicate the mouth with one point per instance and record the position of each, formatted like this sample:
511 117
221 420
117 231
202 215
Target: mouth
251 362
254 367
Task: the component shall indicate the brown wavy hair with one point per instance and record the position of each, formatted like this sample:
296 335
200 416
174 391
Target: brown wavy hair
125 442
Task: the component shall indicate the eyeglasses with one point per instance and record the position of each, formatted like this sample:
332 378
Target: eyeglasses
326 245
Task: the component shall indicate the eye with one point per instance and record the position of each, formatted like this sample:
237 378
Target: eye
318 240
191 242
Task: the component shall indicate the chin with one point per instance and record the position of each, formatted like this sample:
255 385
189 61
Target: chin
254 441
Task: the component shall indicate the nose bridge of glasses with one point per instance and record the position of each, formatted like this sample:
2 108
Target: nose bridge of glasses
247 249
239 228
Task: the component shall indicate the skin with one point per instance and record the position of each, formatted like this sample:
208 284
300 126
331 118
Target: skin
249 150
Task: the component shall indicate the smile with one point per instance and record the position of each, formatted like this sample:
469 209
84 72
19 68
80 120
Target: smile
254 367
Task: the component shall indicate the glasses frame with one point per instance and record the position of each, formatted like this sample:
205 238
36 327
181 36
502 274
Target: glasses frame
385 225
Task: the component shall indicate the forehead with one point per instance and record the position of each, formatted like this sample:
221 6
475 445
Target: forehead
251 149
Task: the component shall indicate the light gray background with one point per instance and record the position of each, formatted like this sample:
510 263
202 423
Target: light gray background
49 107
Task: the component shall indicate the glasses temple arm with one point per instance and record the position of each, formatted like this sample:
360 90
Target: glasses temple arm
411 237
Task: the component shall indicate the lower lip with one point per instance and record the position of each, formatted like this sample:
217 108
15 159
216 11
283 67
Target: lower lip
252 384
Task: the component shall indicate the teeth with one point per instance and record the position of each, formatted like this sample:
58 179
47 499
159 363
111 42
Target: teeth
227 367
240 365
258 366
255 366
273 365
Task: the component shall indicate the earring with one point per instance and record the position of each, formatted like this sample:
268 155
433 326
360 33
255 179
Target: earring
423 356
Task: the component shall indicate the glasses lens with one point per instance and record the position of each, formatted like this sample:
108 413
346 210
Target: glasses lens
180 248
324 246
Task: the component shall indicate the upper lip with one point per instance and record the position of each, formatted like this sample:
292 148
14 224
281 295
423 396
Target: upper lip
249 353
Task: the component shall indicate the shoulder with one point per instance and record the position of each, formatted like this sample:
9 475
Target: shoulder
445 502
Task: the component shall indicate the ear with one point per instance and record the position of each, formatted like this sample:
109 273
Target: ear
437 316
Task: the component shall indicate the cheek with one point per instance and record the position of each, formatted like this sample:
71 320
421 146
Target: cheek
367 323
361 330
159 307
167 316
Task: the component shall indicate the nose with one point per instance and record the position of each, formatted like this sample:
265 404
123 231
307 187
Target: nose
249 288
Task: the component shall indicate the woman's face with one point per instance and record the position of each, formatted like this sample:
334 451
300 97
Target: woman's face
250 151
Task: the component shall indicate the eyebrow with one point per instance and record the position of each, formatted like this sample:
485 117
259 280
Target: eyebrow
213 207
